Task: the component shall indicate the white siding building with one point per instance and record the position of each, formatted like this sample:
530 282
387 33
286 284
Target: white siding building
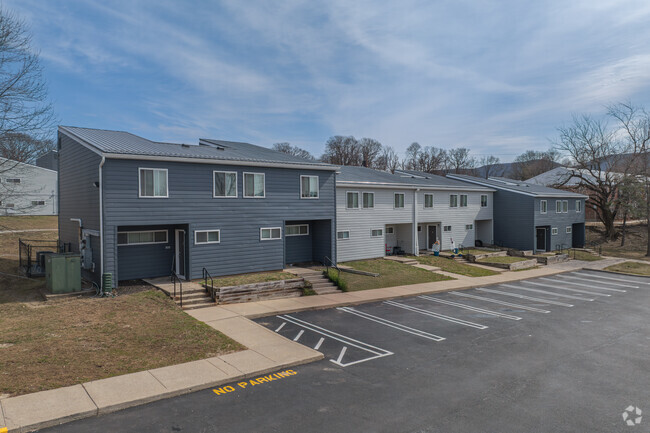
379 213
26 189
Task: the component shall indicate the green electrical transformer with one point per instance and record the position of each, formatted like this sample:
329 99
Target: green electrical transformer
63 273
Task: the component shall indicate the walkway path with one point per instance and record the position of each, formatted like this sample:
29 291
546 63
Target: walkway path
4 232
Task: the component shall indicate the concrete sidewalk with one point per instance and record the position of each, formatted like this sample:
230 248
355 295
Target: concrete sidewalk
267 351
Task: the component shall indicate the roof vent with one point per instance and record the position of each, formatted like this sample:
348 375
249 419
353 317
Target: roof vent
210 143
185 145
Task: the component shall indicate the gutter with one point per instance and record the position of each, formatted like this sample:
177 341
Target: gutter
101 219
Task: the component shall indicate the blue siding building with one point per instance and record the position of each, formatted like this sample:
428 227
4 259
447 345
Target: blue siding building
138 209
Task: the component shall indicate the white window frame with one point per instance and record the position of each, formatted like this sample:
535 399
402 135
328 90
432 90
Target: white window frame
373 200
450 196
565 203
144 243
578 206
554 231
380 235
543 209
569 229
486 200
196 241
460 204
270 233
403 200
243 186
301 195
558 206
287 235
425 200
392 230
346 199
444 229
342 238
214 187
154 170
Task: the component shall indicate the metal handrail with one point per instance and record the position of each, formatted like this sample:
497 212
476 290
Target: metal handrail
211 290
174 278
329 263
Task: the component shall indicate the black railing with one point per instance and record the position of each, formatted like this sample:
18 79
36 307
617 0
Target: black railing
174 279
209 289
31 254
329 263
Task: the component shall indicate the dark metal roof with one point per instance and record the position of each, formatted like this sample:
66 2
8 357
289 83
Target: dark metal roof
125 143
433 179
516 186
363 175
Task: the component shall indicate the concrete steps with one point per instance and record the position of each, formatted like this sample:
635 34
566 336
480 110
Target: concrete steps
319 282
194 295
403 260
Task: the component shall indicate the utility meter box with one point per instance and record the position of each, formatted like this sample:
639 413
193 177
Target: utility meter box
63 273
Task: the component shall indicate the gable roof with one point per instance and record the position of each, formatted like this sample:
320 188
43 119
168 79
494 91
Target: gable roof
124 145
517 186
10 166
362 176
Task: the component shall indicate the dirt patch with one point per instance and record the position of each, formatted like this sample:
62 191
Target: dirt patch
636 241
28 222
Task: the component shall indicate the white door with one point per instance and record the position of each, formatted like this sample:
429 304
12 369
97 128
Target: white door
180 253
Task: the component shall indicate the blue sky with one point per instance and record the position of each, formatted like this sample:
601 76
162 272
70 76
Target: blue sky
496 76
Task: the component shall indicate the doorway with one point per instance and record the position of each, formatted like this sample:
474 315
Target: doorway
540 244
180 253
432 231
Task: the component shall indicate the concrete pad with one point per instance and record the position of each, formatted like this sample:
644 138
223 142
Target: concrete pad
191 376
47 408
211 313
120 392
317 301
250 362
246 332
2 418
289 354
225 367
249 309
289 304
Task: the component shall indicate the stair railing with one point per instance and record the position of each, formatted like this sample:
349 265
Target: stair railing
329 263
174 278
210 289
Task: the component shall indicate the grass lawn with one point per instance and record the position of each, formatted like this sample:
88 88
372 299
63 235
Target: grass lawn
391 274
583 255
502 259
258 277
452 266
631 268
28 222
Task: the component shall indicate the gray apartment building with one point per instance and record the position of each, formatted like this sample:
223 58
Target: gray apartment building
137 208
534 217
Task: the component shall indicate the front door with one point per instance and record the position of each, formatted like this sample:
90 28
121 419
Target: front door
431 236
180 253
541 239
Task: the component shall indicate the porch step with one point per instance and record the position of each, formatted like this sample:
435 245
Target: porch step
319 282
403 260
325 291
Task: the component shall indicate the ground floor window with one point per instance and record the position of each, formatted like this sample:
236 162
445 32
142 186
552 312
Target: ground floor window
296 230
554 231
270 233
142 237
469 226
390 230
38 203
207 237
446 228
375 233
568 229
345 234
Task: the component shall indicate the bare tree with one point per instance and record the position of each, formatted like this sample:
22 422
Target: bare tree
490 166
532 163
369 150
632 198
341 150
292 150
412 154
432 159
459 160
388 160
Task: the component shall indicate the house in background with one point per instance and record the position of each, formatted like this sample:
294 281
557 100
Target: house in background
379 213
534 217
136 208
26 189
49 160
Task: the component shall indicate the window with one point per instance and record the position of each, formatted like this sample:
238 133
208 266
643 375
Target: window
308 186
568 229
270 234
142 237
207 237
453 200
296 230
375 233
352 200
554 231
419 228
14 180
469 226
225 184
9 205
368 200
543 206
399 200
390 230
153 182
446 228
428 200
558 206
345 234
463 200
484 199
578 206
565 206
254 185
38 203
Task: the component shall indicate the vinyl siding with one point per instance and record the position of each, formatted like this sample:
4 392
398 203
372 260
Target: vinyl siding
559 220
514 220
36 184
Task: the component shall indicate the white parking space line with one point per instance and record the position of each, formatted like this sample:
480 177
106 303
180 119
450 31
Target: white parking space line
377 352
317 346
302 331
436 315
281 326
591 286
545 292
469 307
530 298
612 278
340 358
568 289
587 280
496 301
390 324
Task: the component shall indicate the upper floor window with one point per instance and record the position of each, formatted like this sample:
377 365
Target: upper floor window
368 200
484 200
308 186
352 200
578 206
38 203
463 200
543 206
565 206
558 206
453 200
225 184
254 186
153 182
428 200
399 200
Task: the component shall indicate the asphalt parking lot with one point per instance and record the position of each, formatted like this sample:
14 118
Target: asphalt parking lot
569 353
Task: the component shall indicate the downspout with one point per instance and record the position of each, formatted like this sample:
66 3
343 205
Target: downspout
416 247
101 219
